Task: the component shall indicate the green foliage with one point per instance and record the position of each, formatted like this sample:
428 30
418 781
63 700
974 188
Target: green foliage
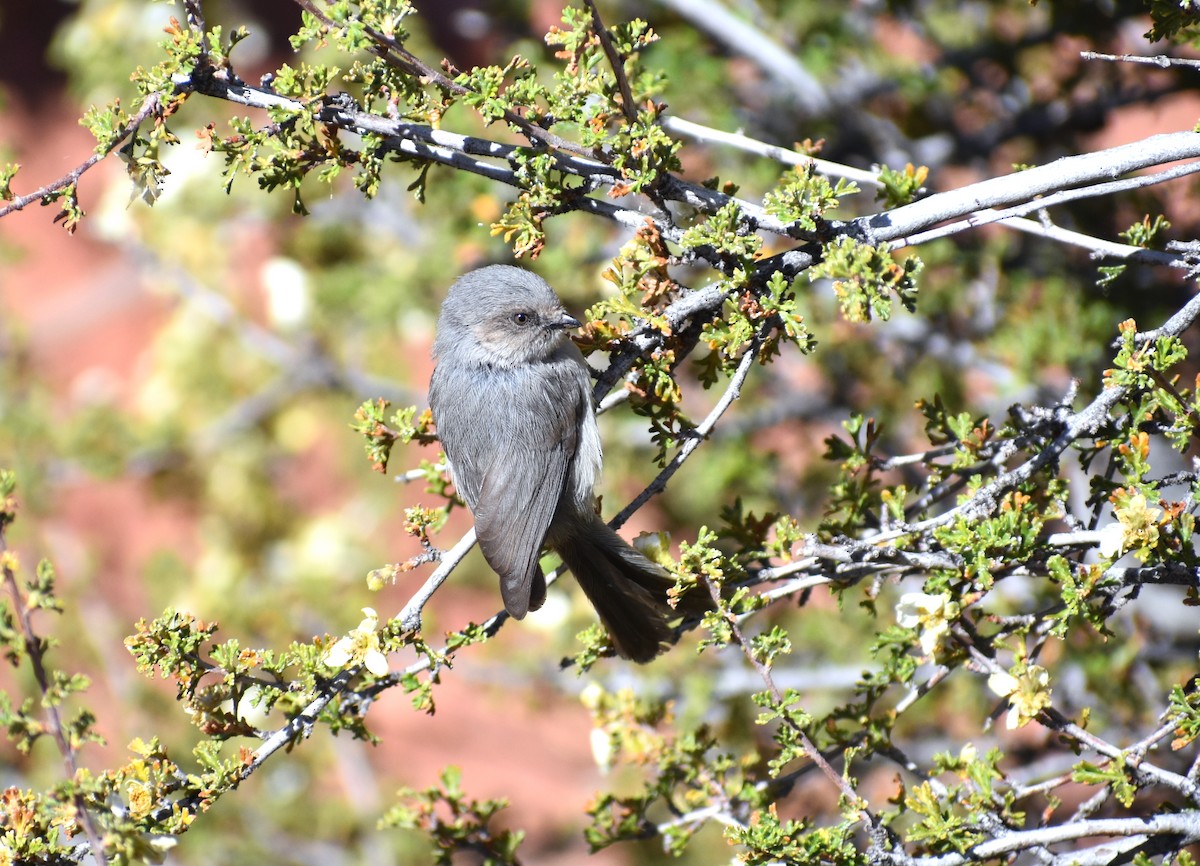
803 196
1177 20
454 822
726 232
955 571
866 277
1144 234
771 838
7 173
857 492
1185 713
944 824
901 187
406 425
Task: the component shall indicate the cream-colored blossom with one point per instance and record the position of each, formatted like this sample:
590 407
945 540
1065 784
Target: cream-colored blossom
359 647
251 708
152 849
655 546
592 696
1112 540
1139 523
932 614
602 748
139 797
1028 693
289 292
160 845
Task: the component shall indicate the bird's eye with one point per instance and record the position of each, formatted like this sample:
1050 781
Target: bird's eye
520 318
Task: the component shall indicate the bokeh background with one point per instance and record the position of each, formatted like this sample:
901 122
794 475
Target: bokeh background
177 381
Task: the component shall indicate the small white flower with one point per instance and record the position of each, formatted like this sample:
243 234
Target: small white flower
1112 540
1028 693
289 294
1139 523
1003 683
592 696
602 750
162 844
930 613
359 647
251 708
655 546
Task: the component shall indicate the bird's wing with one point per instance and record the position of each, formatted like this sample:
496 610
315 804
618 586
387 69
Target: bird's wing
523 484
513 466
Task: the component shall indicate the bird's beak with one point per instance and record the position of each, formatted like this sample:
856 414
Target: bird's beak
567 322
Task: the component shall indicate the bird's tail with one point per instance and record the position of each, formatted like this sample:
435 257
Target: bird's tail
628 591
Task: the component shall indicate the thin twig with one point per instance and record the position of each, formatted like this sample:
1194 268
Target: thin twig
410 615
810 749
34 647
617 64
679 126
696 436
152 104
1100 248
1159 60
391 51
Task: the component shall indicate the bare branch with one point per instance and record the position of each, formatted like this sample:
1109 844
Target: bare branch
410 615
1101 249
1159 60
1185 825
679 126
980 218
1018 187
614 60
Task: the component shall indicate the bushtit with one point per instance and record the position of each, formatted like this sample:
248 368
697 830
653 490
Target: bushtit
512 399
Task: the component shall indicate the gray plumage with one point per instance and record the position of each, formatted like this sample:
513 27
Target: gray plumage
512 399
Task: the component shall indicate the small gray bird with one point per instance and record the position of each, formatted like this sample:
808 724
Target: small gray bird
512 399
